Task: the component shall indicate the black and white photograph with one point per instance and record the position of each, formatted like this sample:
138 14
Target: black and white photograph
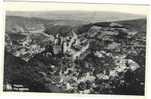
75 52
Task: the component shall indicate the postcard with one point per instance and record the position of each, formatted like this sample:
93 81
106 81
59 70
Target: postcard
73 48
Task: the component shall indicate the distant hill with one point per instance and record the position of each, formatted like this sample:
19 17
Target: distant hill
30 20
22 24
26 24
87 16
135 24
138 24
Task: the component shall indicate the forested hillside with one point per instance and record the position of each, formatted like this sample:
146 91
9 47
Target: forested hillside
94 58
